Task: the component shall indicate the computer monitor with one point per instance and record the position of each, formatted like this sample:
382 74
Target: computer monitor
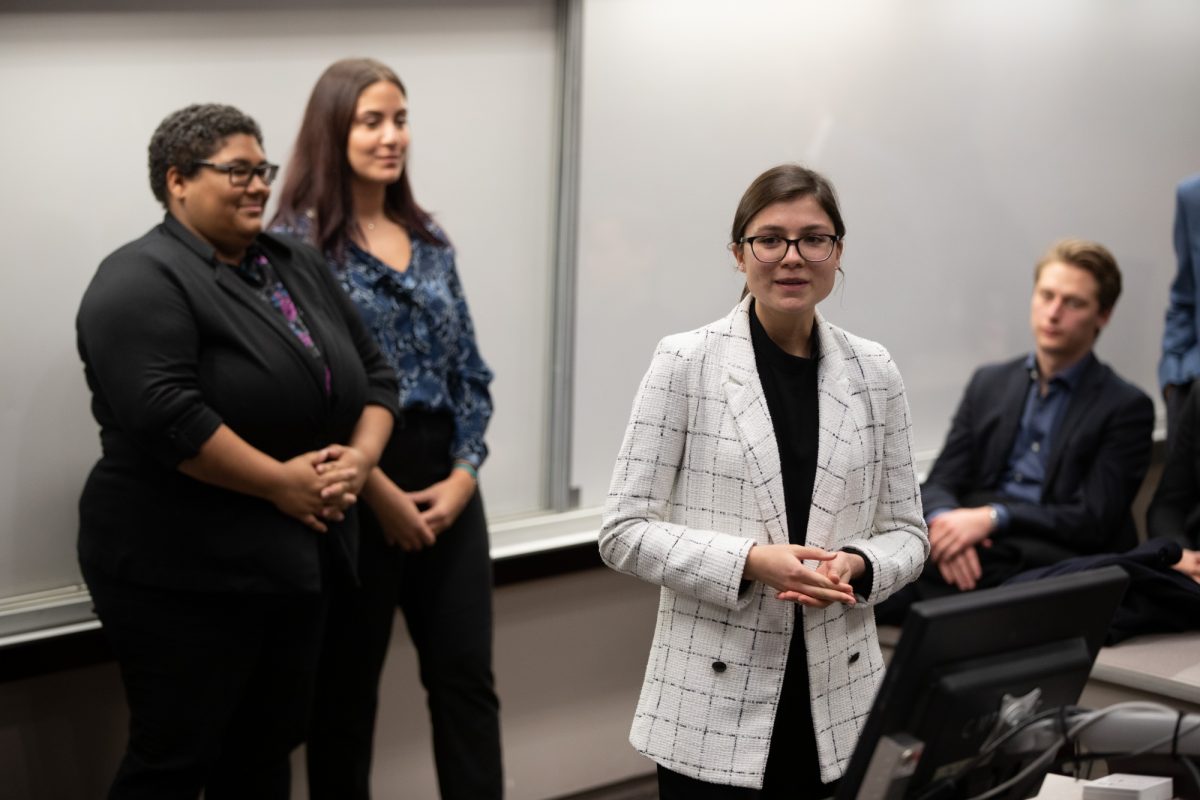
957 661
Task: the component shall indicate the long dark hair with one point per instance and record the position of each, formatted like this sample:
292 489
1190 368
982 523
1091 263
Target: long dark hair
319 177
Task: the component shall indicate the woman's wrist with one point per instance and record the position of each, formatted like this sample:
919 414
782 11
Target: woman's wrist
377 483
748 573
466 466
371 434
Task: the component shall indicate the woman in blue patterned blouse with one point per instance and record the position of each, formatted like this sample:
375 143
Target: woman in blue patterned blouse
424 537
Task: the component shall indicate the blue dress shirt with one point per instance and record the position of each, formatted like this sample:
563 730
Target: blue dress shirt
420 321
1025 474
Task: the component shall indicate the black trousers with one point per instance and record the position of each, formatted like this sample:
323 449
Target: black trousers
218 684
793 770
997 564
1176 402
1006 558
445 593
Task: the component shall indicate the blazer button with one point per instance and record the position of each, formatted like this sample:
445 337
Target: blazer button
853 658
718 666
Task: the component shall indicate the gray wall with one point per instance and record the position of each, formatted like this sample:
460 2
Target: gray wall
83 85
963 139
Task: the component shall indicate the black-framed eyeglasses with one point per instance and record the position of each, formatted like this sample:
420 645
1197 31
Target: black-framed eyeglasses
241 173
771 249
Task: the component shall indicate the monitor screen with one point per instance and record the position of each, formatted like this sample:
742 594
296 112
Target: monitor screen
964 661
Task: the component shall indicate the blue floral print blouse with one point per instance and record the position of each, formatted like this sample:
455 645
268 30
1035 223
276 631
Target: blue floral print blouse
420 321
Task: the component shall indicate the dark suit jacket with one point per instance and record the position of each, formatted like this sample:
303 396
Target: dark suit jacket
1160 599
1175 511
174 343
1098 458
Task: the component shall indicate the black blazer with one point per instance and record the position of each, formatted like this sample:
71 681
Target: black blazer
173 344
1099 456
1175 511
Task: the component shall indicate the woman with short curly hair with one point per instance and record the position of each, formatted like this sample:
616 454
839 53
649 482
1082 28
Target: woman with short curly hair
241 406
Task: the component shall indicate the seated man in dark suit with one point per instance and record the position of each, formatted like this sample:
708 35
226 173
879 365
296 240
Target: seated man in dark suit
1175 511
1046 451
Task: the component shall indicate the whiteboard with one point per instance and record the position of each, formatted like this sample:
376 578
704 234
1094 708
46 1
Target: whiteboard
984 130
963 138
82 91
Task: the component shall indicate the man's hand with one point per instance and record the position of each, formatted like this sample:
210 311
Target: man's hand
1189 564
961 571
952 532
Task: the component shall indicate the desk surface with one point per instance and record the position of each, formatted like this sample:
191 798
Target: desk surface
1162 663
1166 664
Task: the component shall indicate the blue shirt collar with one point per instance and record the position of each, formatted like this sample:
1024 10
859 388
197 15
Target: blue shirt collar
1069 376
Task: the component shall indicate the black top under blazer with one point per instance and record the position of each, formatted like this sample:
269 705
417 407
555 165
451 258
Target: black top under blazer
174 343
1099 456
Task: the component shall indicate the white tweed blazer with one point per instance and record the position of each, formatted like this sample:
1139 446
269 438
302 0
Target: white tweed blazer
696 485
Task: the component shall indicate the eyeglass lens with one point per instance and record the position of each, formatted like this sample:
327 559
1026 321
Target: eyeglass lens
774 248
239 174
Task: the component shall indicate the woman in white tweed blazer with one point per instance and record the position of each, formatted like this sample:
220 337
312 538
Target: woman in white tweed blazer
721 437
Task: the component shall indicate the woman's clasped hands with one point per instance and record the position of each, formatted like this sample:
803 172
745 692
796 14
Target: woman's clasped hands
318 486
413 520
782 567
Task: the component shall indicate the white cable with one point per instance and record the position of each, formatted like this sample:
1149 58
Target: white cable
1087 719
1144 749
